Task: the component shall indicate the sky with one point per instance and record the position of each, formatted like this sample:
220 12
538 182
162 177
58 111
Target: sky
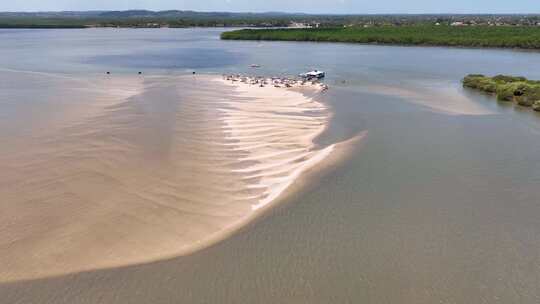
305 6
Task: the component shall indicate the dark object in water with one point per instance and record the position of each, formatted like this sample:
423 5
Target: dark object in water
108 72
193 72
140 73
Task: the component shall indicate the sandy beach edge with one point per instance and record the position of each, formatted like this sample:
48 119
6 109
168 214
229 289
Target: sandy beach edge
338 153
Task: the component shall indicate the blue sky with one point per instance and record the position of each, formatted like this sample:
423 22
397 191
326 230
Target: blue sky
308 6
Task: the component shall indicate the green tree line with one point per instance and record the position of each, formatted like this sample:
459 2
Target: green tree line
526 37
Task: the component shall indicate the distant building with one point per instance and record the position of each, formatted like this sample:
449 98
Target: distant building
299 25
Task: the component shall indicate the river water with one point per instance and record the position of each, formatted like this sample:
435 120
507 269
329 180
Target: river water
439 204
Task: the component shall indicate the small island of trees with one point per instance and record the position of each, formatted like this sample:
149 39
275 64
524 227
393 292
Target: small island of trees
521 90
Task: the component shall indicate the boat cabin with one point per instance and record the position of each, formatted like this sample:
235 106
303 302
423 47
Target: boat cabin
315 74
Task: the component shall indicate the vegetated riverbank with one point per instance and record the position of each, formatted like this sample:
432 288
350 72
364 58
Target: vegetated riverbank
154 19
507 88
41 26
433 35
63 23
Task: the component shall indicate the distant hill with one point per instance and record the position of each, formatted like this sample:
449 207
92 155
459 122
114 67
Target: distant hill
140 14
144 18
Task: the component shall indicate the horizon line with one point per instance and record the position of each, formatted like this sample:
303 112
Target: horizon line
267 12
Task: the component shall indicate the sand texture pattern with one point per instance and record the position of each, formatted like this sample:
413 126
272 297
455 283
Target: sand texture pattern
123 170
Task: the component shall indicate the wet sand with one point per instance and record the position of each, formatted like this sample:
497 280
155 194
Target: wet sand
142 169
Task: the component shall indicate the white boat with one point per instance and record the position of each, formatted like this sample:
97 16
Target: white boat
315 74
255 66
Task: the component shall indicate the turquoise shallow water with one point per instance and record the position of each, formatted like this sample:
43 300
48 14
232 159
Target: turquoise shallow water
432 208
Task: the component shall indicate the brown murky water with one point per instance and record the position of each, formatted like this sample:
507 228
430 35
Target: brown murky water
438 205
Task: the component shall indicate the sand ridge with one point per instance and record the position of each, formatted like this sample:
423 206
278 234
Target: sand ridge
267 128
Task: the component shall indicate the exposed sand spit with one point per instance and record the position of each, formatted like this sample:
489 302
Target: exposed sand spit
268 130
155 171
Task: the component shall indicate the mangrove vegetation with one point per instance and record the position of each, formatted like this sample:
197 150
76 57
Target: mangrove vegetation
525 37
521 90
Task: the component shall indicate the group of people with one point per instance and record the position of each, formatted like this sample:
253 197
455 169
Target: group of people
278 82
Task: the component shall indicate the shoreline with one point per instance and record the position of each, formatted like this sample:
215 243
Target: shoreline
400 45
